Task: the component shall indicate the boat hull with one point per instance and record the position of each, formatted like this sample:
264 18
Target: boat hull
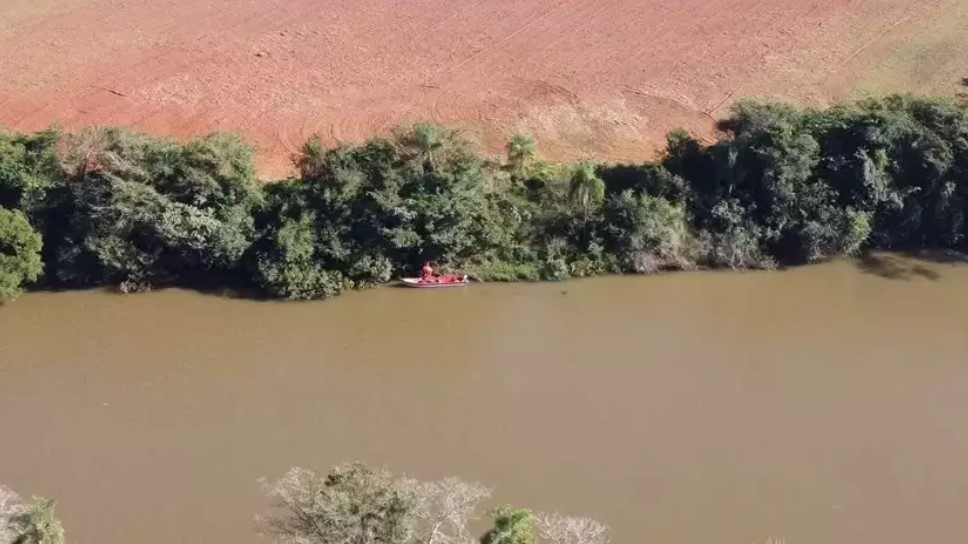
436 283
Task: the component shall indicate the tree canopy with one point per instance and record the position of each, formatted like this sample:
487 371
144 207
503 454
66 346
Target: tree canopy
781 186
33 522
20 247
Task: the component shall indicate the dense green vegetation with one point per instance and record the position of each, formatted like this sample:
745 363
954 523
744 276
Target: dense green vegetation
781 186
20 248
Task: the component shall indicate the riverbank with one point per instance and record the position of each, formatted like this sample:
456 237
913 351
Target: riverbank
783 186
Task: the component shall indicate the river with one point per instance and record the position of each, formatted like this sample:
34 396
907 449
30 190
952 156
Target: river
821 405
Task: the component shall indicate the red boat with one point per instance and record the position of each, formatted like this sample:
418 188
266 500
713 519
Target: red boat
444 280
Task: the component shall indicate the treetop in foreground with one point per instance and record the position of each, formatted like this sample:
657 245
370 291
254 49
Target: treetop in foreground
356 504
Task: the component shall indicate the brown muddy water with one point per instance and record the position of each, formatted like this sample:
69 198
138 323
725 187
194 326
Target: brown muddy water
820 405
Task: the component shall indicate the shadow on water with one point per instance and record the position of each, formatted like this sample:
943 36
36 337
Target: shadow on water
905 266
909 265
228 291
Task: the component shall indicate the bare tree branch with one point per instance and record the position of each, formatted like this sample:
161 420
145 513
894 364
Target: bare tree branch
446 507
559 529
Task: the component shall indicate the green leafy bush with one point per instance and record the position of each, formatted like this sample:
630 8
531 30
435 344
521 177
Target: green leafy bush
137 211
20 247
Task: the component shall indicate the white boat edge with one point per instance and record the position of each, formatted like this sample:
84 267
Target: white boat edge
416 282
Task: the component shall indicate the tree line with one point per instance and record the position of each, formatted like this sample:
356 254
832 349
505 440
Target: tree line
779 186
355 504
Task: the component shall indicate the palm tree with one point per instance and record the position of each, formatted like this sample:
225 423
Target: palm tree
311 158
428 140
521 151
585 187
512 526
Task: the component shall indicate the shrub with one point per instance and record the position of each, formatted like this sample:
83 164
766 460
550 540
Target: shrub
355 504
352 505
20 247
28 523
136 211
648 233
512 526
29 167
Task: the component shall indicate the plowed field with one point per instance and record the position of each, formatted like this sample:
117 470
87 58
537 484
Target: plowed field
606 78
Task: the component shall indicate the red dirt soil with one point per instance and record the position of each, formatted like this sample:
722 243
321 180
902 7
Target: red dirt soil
605 78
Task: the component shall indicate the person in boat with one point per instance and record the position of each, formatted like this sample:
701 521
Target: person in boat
427 273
